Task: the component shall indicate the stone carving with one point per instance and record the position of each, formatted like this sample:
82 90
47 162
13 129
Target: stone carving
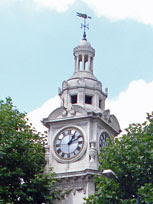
64 113
81 189
59 91
114 122
72 112
70 109
81 82
74 184
65 84
98 86
47 149
106 92
92 151
111 119
106 115
78 189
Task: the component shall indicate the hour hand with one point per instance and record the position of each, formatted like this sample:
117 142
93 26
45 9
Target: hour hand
71 140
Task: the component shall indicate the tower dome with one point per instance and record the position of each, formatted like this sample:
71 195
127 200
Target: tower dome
84 55
83 88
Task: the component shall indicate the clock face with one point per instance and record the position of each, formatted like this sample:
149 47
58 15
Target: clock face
69 143
103 139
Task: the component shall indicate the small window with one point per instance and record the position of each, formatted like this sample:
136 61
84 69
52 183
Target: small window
88 99
99 103
74 99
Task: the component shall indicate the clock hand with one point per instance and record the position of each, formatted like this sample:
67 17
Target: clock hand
74 140
71 141
73 136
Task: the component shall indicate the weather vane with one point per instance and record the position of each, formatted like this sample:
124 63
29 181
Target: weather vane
84 25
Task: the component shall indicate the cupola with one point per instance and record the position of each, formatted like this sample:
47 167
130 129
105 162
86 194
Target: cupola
84 55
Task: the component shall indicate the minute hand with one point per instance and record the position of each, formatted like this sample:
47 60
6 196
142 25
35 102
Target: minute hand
75 139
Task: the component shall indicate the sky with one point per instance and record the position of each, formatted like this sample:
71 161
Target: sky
37 38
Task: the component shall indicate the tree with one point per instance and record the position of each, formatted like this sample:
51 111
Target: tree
131 159
22 160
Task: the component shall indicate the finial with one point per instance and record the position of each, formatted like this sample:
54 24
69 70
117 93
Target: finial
84 25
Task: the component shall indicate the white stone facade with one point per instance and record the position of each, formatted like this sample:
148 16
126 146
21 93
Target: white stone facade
82 109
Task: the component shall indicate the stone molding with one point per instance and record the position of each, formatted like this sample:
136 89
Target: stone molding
75 181
105 117
84 49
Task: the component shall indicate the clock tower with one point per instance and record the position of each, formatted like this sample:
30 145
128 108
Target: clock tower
78 128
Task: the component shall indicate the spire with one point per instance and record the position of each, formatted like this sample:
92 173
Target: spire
84 53
84 25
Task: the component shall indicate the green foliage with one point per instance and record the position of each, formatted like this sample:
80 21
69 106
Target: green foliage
22 160
146 193
131 158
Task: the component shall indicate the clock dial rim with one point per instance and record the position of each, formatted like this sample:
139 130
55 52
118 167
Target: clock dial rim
76 143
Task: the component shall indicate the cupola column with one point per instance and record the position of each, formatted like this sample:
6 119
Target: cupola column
75 58
76 63
89 63
83 62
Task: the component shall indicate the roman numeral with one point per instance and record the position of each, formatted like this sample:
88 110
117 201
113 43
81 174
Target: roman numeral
58 151
63 154
104 137
80 137
78 148
69 132
63 133
57 145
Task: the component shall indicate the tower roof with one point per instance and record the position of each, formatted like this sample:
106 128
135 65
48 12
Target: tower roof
84 53
84 47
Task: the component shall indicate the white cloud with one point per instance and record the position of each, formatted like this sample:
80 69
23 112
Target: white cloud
58 5
36 116
140 10
132 105
9 2
129 107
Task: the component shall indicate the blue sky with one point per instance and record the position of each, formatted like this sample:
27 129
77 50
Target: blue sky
38 36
